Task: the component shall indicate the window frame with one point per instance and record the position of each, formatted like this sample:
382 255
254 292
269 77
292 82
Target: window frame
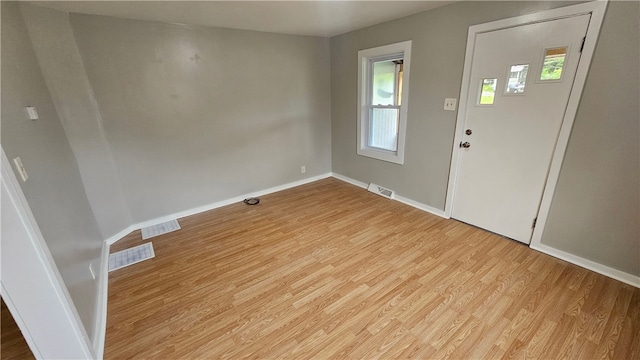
365 57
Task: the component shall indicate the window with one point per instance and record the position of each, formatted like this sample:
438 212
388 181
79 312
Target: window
517 79
553 63
383 84
487 91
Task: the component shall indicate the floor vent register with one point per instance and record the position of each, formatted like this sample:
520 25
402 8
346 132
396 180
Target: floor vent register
159 229
131 256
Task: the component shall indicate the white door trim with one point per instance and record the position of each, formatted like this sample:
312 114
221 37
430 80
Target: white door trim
597 10
50 323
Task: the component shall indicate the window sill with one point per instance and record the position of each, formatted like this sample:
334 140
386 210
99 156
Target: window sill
389 156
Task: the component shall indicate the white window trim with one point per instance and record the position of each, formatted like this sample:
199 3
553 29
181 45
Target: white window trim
364 56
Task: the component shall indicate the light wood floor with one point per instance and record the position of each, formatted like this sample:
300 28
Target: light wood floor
328 270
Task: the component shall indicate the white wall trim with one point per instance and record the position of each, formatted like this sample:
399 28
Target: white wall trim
100 331
582 262
124 232
461 116
101 325
350 180
364 82
421 206
110 241
597 10
104 278
402 199
593 31
588 264
113 239
230 201
64 324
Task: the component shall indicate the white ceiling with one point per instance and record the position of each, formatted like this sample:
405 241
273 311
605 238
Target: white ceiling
317 18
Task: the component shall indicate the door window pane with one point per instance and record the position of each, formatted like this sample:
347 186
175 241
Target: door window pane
553 63
383 128
517 79
488 91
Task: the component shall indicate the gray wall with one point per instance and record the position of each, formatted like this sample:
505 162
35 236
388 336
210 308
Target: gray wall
437 58
54 189
196 115
602 159
595 212
61 65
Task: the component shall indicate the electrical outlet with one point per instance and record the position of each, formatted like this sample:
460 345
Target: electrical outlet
93 274
21 169
450 104
303 169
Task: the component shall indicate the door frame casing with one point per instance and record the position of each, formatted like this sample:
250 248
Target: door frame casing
597 11
48 319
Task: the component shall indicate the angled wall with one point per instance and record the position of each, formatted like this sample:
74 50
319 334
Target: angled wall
54 44
54 190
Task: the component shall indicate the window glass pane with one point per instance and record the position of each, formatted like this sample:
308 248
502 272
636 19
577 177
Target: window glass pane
517 79
383 72
383 129
553 63
384 83
488 91
400 67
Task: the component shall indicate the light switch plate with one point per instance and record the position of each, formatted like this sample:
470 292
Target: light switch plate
21 169
450 104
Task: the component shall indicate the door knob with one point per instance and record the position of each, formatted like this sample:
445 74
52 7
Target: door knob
465 144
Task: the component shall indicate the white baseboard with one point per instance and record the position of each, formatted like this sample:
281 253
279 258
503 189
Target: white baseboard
110 241
626 278
350 180
212 206
421 206
103 294
582 262
230 201
396 197
101 324
104 277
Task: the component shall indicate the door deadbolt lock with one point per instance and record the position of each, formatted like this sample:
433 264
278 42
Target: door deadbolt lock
465 144
468 132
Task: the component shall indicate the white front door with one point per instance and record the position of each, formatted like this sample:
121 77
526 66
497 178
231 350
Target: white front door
520 81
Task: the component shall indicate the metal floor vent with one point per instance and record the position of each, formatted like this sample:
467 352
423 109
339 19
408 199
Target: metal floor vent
159 229
131 256
380 191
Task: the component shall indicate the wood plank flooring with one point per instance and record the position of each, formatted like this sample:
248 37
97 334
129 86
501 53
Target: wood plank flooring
328 270
12 342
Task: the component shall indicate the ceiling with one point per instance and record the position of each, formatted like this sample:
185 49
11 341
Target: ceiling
316 18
